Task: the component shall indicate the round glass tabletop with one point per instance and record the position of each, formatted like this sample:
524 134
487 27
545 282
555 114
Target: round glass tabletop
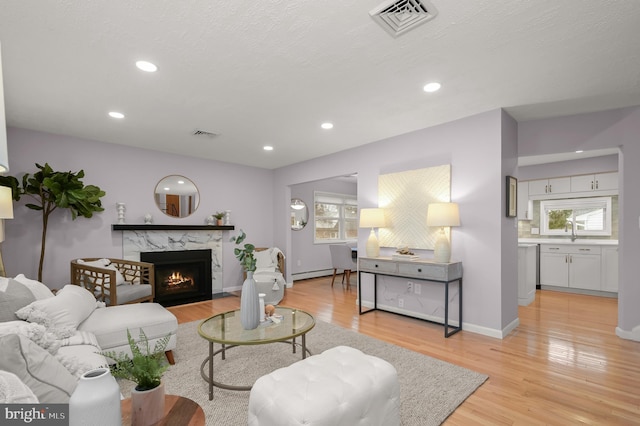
225 328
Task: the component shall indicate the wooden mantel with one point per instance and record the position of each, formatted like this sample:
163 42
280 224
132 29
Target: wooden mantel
153 227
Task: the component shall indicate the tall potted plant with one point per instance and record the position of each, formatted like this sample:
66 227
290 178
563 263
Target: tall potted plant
249 300
145 367
52 190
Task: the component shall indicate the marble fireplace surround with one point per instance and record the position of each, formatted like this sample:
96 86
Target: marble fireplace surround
156 238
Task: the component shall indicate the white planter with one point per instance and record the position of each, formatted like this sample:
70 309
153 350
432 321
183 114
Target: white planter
96 400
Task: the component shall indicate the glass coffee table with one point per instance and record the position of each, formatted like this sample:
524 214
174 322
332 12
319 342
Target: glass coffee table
226 329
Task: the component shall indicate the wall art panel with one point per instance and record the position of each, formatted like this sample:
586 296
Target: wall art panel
405 197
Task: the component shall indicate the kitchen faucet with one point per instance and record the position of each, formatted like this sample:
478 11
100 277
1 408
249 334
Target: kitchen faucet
574 235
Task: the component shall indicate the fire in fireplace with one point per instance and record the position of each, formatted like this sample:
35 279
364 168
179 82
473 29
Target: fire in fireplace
181 276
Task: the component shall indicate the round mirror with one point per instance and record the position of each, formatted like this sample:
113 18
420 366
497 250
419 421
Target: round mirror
177 196
299 214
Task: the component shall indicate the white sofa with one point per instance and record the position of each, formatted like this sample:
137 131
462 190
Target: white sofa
47 341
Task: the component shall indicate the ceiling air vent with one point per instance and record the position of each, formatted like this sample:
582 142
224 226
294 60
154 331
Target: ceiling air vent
399 16
199 132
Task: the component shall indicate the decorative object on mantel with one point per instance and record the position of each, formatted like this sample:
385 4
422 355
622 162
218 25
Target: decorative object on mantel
443 214
121 208
227 217
210 220
148 219
372 218
219 217
249 300
145 367
97 396
52 190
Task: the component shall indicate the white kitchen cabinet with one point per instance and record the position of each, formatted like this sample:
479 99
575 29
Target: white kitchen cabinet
525 205
610 269
550 186
573 266
594 182
526 274
554 268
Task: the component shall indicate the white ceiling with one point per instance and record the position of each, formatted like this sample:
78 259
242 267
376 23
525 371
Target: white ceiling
270 72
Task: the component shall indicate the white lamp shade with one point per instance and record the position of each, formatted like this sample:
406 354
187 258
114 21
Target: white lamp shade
443 214
6 203
372 218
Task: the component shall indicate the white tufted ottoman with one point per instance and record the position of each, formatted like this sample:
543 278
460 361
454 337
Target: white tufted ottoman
341 386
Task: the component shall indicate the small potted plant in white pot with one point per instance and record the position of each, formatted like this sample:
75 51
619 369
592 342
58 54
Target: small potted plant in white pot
145 367
219 217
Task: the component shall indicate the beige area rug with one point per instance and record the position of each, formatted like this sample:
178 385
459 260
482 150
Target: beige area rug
430 389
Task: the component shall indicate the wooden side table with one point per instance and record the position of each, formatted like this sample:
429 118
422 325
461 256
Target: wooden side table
178 411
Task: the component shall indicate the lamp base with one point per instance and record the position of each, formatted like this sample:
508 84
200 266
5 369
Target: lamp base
373 248
442 250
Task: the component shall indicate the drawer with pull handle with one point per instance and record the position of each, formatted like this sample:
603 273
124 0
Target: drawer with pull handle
570 249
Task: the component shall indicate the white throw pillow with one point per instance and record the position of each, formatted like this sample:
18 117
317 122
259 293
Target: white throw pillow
72 305
37 368
39 290
105 264
14 391
264 260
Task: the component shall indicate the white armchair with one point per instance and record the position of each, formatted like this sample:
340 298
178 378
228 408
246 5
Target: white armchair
269 274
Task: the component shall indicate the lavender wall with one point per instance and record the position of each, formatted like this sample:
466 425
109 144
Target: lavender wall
473 147
607 129
509 243
127 175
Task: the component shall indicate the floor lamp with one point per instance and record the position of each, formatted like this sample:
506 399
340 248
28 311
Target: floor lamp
372 218
6 212
442 214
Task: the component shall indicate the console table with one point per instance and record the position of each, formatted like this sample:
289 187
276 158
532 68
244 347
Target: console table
444 273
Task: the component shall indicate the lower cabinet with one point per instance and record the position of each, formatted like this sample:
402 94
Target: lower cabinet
571 266
526 274
610 268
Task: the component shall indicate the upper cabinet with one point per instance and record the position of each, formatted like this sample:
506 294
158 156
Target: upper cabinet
525 205
595 182
550 186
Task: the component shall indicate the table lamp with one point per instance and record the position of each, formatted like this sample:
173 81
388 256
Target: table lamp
372 218
442 214
6 212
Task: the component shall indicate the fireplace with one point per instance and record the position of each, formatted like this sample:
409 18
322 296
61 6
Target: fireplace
181 276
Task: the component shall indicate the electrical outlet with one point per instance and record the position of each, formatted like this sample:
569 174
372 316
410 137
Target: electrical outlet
400 303
409 287
299 262
418 288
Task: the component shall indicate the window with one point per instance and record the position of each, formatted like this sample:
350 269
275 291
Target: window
577 217
336 217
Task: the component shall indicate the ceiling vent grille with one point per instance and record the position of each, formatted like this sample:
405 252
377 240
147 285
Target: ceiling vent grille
199 132
399 16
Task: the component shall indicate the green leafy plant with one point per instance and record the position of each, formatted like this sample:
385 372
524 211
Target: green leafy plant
244 254
145 366
52 190
218 215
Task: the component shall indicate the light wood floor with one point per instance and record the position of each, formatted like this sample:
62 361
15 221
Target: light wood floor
563 365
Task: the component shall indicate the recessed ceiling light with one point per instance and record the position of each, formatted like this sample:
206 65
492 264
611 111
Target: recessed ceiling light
146 66
431 87
181 182
115 114
579 151
327 126
267 148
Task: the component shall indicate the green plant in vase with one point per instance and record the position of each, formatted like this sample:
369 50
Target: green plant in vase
249 302
145 366
244 254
